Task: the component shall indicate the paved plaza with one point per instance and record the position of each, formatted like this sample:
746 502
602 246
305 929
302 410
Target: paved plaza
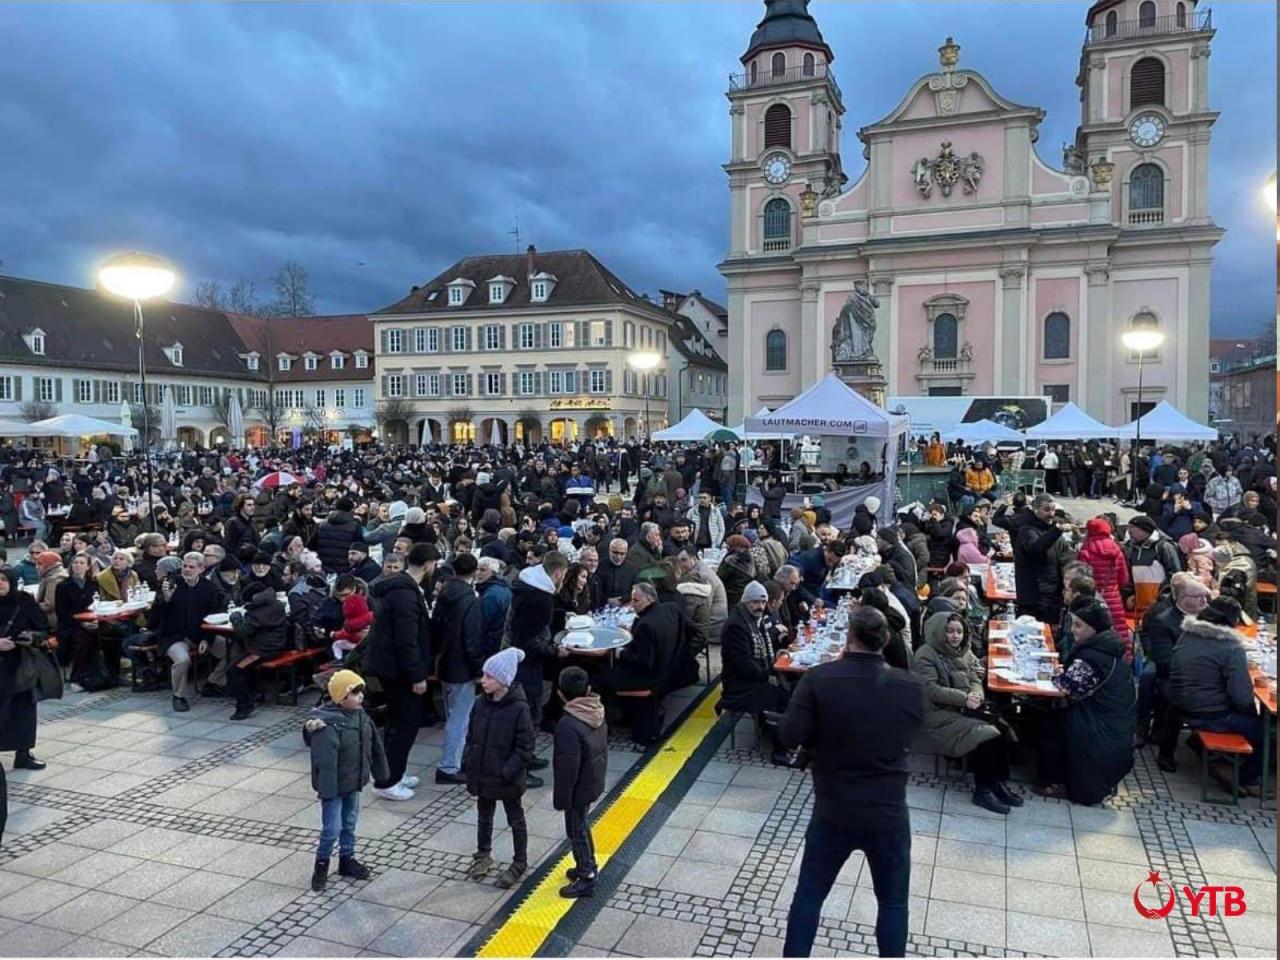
158 834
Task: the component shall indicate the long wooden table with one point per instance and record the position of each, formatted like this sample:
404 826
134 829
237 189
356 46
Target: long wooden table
998 647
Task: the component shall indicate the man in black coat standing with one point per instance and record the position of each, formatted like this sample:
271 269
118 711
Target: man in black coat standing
398 653
1038 583
859 782
458 625
335 536
240 529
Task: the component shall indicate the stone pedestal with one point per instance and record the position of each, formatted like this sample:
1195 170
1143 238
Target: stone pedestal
865 376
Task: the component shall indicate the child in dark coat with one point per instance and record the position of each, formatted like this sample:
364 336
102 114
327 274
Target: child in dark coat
499 750
346 752
580 761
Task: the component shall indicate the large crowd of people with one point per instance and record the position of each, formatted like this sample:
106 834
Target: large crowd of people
412 568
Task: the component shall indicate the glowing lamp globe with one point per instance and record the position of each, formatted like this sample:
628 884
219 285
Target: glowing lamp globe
1269 192
644 361
137 276
1141 340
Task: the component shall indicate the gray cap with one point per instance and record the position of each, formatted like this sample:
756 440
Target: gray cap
755 591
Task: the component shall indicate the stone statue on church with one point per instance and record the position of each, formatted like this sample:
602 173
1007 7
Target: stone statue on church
853 336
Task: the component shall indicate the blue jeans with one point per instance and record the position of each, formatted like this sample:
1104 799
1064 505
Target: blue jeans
458 698
826 848
338 816
1249 726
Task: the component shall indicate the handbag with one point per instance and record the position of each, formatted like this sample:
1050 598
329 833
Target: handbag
38 672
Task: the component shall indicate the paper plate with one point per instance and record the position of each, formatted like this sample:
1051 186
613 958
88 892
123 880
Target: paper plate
218 619
578 639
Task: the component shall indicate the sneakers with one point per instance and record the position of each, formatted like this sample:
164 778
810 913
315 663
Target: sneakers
532 783
581 887
76 688
242 713
409 780
988 801
398 792
443 777
1007 796
511 876
481 863
180 705
320 875
353 868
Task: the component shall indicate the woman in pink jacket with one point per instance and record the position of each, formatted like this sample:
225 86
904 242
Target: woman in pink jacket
969 551
1199 555
1111 574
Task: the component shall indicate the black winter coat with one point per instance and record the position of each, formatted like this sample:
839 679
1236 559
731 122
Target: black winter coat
69 599
1159 632
1100 727
744 677
1036 577
399 645
499 746
580 757
263 628
529 620
239 531
615 581
334 538
182 618
458 627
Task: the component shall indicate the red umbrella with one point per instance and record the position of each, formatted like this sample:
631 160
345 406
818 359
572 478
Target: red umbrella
277 479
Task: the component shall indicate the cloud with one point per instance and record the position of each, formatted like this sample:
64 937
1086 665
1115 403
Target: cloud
232 137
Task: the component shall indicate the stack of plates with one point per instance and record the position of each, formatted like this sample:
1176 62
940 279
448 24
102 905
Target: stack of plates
578 639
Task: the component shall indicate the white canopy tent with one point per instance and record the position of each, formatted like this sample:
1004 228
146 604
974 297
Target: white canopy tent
831 408
1071 423
694 427
1165 422
78 425
235 421
743 433
983 431
21 428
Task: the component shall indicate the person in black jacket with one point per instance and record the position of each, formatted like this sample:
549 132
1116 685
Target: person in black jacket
22 623
262 632
240 529
614 575
361 564
1037 581
1158 634
397 652
458 625
335 536
75 595
179 616
580 759
859 782
941 533
499 750
747 656
529 627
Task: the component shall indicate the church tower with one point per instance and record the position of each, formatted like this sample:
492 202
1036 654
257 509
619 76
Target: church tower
785 108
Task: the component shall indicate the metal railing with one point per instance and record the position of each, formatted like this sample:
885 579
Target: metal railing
767 78
1192 21
1138 217
772 246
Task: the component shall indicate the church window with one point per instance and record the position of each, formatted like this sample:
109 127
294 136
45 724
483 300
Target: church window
1147 14
1146 194
1146 83
779 65
777 225
946 333
1180 14
1057 336
777 126
808 64
753 73
1112 21
775 350
831 132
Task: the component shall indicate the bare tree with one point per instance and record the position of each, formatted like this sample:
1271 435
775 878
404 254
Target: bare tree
293 299
271 413
150 415
389 411
33 410
209 294
243 298
315 418
222 407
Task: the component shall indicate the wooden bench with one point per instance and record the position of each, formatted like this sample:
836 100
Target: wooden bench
1233 746
291 659
1267 596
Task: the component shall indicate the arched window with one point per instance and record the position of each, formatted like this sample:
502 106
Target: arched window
831 131
1146 194
775 350
808 64
945 337
1146 82
1147 14
1057 336
1111 24
1180 14
777 224
753 73
777 126
779 65
1144 319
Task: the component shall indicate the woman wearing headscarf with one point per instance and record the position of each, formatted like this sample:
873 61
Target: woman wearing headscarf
21 623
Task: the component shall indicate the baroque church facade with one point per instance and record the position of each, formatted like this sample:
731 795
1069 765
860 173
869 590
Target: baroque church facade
962 261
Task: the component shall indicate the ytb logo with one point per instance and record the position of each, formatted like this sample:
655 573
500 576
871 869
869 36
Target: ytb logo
1213 900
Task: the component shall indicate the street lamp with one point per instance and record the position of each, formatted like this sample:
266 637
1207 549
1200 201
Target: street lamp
643 363
138 277
1269 198
1141 339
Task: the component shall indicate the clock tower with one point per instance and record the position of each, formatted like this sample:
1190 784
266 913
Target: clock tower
785 108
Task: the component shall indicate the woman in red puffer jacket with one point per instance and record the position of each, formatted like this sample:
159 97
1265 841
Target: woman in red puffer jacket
1111 574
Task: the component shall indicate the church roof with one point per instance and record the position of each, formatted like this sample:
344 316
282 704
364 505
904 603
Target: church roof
787 23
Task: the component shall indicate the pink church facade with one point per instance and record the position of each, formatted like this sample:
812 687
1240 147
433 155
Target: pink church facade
996 270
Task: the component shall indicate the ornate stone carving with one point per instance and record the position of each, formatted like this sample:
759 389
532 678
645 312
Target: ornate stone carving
826 208
946 86
853 334
946 170
1072 158
925 354
808 201
1079 186
966 352
1012 275
1102 169
881 284
1098 272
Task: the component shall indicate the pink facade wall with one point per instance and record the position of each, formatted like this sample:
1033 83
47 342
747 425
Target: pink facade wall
985 138
977 329
765 316
842 232
1126 159
1059 293
1160 295
1044 180
1060 212
855 198
943 220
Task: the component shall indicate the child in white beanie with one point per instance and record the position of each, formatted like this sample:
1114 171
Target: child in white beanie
496 760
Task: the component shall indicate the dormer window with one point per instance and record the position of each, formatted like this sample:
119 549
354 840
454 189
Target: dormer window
285 363
35 341
174 353
251 361
362 360
540 287
309 361
337 360
459 290
499 288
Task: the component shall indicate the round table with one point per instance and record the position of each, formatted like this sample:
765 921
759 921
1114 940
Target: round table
604 641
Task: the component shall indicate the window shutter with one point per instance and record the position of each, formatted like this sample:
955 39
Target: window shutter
777 126
502 384
382 341
17 387
469 346
541 335
1146 82
57 390
580 338
384 385
470 384
608 381
97 391
502 336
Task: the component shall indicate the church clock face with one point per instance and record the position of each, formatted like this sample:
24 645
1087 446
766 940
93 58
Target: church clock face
1146 130
777 168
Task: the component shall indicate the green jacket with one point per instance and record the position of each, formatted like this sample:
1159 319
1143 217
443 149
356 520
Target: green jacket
345 753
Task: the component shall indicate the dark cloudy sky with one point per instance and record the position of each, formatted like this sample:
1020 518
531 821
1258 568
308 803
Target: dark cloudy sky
377 143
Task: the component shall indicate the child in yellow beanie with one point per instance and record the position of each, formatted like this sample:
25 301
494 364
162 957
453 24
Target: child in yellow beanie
346 752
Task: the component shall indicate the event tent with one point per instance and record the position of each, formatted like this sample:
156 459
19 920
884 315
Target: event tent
21 428
78 425
983 431
695 427
1071 423
1165 422
743 434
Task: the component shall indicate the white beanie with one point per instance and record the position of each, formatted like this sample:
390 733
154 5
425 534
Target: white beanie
502 665
482 478
415 515
873 504
755 591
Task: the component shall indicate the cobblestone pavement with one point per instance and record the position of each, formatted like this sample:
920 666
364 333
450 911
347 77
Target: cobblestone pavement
154 833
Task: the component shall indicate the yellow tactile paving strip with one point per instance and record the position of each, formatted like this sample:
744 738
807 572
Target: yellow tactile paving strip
532 922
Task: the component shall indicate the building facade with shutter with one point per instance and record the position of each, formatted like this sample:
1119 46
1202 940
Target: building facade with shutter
533 346
996 270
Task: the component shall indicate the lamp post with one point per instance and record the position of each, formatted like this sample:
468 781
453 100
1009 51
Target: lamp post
138 277
1141 340
645 362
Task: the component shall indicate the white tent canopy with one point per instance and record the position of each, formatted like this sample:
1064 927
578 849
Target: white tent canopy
1071 423
742 432
694 427
829 408
1165 422
983 431
21 428
78 425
